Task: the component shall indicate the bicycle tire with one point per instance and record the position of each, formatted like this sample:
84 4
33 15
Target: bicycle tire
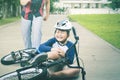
27 74
8 60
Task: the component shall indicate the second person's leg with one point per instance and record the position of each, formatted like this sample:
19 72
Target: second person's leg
36 31
26 32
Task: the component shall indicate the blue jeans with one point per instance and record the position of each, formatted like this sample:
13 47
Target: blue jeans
31 32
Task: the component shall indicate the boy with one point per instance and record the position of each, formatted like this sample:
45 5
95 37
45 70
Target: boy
56 47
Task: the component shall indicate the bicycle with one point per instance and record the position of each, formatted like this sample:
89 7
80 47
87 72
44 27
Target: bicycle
39 70
20 56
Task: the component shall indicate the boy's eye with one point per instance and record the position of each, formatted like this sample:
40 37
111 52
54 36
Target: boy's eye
60 32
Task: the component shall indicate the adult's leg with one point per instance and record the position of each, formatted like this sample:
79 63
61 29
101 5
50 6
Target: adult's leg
36 31
26 32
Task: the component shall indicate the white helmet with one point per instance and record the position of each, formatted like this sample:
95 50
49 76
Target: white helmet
63 25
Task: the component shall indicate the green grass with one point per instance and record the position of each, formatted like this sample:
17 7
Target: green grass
8 20
107 26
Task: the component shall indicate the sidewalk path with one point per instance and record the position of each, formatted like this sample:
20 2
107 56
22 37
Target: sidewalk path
101 59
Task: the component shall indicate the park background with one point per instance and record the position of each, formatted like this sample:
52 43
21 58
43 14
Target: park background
105 25
100 16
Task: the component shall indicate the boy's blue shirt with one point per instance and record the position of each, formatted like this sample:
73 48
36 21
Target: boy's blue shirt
46 47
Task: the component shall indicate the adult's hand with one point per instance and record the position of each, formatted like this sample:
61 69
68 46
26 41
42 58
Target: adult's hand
47 2
46 17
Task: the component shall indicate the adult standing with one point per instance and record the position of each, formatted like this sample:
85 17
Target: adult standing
31 21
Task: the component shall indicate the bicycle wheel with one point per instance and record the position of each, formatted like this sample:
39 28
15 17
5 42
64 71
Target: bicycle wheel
18 56
27 74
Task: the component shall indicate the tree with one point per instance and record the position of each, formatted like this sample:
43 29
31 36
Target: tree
115 5
52 8
12 8
9 8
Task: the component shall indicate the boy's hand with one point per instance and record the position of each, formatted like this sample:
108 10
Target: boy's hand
58 51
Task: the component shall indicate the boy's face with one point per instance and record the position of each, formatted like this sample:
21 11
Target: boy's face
61 35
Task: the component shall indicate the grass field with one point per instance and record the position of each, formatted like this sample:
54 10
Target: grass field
106 26
8 20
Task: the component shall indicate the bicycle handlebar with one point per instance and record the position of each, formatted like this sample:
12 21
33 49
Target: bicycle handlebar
75 35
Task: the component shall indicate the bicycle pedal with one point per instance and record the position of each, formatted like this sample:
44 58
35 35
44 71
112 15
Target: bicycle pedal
16 56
